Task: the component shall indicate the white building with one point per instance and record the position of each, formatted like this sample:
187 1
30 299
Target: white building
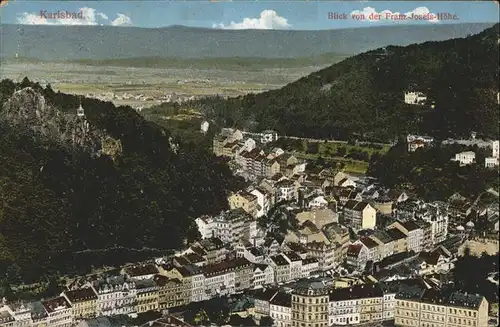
295 262
437 216
465 158
490 162
263 201
59 311
206 226
309 267
263 275
495 149
116 296
415 98
285 191
204 127
268 136
317 203
280 310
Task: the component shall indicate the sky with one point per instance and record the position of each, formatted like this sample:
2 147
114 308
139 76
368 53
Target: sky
237 14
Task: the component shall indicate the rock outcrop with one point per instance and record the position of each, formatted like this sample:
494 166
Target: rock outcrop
29 110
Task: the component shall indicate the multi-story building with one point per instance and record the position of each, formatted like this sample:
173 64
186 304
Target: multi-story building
261 303
432 308
281 268
262 275
244 200
357 256
385 243
170 292
400 240
16 315
309 267
295 262
83 301
371 304
413 232
465 158
59 312
440 308
285 190
467 310
147 295
324 252
436 214
229 226
372 247
359 215
310 304
263 201
280 309
407 312
115 295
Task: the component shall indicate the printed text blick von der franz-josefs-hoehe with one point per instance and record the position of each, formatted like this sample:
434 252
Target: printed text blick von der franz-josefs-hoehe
391 16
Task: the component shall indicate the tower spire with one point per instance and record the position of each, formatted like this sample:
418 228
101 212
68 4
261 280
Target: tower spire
80 112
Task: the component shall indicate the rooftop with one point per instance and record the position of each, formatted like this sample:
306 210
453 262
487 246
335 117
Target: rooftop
81 295
362 291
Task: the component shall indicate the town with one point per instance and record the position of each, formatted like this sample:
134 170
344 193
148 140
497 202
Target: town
300 249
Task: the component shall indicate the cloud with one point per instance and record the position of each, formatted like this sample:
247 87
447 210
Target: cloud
121 20
369 14
85 16
268 19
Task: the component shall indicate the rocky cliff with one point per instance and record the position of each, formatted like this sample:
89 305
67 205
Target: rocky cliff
28 109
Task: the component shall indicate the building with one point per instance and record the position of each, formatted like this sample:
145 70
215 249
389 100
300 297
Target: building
490 162
83 302
359 215
415 142
262 303
170 292
280 309
246 201
415 98
440 308
407 309
59 312
357 256
147 295
115 295
281 268
356 304
465 158
310 304
413 232
399 239
262 275
467 310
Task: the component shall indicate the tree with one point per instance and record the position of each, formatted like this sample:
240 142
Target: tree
266 321
467 251
13 274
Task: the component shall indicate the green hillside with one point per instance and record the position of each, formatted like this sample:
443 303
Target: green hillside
363 95
58 201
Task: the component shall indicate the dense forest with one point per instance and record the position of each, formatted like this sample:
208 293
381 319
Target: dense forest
363 95
60 205
431 174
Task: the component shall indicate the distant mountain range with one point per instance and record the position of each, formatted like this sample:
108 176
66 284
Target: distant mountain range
108 42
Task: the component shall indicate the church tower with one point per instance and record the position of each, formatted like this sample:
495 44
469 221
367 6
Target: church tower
80 112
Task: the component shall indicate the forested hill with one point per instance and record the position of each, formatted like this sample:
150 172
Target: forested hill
363 95
56 199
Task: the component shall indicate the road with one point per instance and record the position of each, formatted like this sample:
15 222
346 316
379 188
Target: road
333 141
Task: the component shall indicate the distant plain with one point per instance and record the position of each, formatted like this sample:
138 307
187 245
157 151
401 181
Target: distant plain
157 77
